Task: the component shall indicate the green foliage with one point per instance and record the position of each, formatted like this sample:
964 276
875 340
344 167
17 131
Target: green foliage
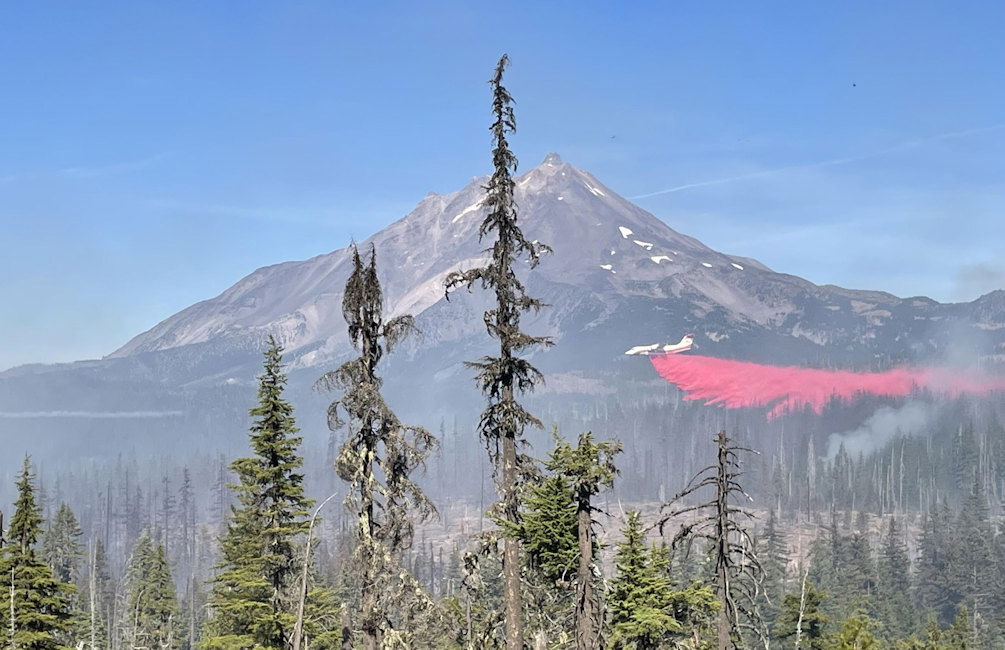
549 526
151 607
955 567
548 529
802 616
843 566
773 553
61 546
645 611
252 595
855 634
896 606
36 602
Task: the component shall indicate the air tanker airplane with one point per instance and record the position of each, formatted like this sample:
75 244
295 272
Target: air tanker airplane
670 348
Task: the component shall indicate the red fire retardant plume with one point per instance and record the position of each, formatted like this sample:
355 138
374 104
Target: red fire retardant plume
736 384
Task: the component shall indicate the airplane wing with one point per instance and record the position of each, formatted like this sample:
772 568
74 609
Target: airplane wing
642 350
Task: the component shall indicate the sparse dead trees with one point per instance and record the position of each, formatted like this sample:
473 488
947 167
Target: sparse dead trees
720 523
504 377
377 460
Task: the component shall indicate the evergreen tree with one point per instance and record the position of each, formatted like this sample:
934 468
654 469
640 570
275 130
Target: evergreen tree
894 585
773 553
843 566
587 467
933 588
37 603
252 596
970 554
61 545
645 612
801 623
377 459
503 378
549 529
151 608
855 634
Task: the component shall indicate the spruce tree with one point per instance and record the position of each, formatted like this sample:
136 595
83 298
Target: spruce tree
37 603
856 634
970 565
253 594
801 623
548 529
503 378
894 584
645 612
61 545
773 551
377 460
151 612
587 467
933 580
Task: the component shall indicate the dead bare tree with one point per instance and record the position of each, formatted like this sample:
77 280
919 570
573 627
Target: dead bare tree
738 572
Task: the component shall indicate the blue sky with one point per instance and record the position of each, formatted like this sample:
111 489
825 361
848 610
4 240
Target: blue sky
153 153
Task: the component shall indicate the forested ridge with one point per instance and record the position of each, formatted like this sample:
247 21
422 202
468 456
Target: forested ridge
587 527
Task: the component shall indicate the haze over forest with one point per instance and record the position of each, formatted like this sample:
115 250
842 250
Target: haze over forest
275 425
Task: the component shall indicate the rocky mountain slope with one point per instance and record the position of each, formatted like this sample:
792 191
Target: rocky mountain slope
618 277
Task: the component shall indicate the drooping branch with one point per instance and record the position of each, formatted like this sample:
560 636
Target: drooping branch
738 571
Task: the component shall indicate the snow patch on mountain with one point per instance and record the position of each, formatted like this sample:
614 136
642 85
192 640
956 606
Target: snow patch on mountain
468 210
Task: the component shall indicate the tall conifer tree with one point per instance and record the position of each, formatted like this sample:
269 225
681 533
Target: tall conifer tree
377 460
894 578
37 602
645 611
151 606
61 545
253 595
587 467
504 377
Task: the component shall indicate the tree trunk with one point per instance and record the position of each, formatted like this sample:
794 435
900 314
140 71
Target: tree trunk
724 627
369 599
585 636
511 546
92 584
346 629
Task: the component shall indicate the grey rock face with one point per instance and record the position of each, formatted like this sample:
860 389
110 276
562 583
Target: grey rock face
618 277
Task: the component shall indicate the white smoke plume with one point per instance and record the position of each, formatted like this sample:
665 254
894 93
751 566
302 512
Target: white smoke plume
881 427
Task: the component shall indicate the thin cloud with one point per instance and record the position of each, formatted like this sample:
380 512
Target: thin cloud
298 216
97 171
910 144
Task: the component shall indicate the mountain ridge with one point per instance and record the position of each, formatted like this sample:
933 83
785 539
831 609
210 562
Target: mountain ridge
619 276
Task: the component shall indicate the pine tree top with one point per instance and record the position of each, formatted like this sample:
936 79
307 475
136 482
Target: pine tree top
26 524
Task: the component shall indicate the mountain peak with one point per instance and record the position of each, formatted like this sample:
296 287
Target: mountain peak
552 159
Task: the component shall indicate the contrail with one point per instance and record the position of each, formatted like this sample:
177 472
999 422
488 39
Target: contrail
910 144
